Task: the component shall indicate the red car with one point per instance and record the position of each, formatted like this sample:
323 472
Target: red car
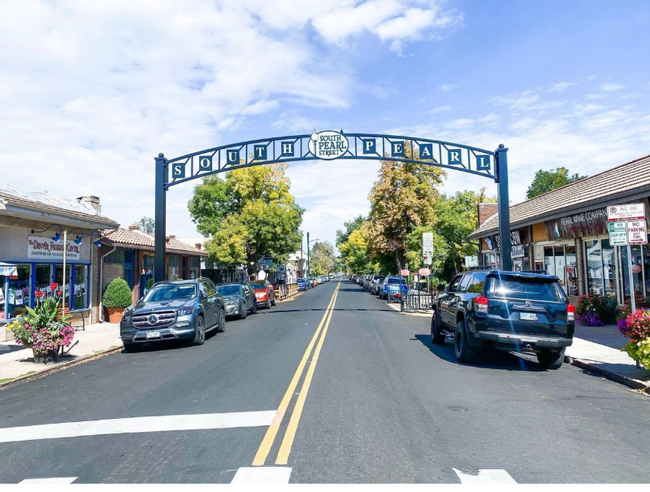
264 293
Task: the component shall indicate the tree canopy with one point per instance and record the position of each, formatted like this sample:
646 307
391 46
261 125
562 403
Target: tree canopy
552 179
322 258
248 215
145 224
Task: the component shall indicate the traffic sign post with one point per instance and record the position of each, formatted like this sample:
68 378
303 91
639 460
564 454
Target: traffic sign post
427 247
627 226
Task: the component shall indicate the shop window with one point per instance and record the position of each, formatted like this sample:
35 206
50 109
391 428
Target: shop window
637 270
116 256
609 267
57 287
594 267
571 270
19 290
43 279
80 286
560 265
549 260
195 265
173 267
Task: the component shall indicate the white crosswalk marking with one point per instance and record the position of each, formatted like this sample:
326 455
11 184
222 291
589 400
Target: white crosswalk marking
488 476
53 480
167 423
262 474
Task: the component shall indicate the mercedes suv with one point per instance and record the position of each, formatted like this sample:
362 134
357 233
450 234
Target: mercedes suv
179 310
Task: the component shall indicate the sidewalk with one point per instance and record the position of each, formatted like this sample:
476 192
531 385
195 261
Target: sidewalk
596 349
17 361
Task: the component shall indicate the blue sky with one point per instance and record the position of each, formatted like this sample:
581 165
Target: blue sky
92 91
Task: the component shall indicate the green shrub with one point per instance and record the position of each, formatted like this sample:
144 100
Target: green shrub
117 294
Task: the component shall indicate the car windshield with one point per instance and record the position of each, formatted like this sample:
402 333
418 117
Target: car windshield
229 290
523 288
258 285
169 292
395 281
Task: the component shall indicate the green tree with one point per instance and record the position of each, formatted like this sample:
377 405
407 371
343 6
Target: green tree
322 258
249 214
355 252
457 218
351 226
401 200
545 181
145 224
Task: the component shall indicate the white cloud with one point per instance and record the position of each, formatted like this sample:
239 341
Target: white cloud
440 109
609 87
562 86
447 87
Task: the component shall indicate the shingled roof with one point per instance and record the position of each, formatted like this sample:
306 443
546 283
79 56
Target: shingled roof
628 181
136 239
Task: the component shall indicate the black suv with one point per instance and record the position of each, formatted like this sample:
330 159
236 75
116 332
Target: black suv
514 311
179 310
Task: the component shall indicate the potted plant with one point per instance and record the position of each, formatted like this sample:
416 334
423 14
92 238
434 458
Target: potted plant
596 310
44 329
117 297
637 328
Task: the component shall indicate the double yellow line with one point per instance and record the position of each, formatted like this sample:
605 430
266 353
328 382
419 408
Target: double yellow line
290 434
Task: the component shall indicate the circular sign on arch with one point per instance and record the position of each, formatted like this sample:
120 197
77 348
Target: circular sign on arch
328 145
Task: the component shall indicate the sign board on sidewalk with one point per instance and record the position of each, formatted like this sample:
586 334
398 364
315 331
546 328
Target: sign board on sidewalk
617 233
404 273
628 211
424 272
637 232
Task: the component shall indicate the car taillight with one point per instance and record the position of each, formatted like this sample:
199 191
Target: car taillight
570 312
482 304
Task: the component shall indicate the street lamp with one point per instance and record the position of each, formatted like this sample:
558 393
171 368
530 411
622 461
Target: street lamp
308 263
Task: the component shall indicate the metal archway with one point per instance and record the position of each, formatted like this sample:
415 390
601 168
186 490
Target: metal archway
330 145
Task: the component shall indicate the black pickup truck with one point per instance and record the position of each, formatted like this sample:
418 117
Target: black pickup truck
513 311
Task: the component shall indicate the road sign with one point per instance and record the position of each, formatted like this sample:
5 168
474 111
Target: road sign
628 211
427 241
427 257
404 273
617 233
424 272
637 232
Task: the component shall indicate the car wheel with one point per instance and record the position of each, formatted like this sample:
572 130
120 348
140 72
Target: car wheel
463 350
222 321
437 336
273 301
132 347
255 307
199 331
243 310
551 359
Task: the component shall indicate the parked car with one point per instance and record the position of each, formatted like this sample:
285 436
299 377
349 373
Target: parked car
393 288
374 284
264 293
506 310
178 310
303 284
239 299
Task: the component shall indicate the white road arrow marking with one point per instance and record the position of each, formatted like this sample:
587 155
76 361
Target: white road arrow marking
262 474
167 423
53 480
496 476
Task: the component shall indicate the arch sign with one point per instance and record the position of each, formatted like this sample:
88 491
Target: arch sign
330 145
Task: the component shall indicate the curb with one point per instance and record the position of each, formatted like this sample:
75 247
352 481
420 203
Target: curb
65 365
612 376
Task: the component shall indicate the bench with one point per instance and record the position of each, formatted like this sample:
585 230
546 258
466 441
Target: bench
78 318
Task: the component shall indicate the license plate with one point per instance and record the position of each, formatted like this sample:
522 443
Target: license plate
528 316
153 334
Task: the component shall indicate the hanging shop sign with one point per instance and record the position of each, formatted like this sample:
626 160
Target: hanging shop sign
46 248
518 251
578 225
517 238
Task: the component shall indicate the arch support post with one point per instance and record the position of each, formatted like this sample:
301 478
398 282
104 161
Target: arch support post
160 218
505 248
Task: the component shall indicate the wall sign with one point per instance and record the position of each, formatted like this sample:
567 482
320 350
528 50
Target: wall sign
578 225
44 248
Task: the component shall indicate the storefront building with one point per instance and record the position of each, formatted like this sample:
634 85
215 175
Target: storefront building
32 230
129 254
564 232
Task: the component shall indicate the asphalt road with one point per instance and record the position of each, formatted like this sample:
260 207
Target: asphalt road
375 402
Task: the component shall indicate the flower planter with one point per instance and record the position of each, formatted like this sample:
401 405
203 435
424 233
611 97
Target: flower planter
47 357
114 314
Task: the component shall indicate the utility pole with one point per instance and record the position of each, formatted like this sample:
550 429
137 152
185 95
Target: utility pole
308 263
